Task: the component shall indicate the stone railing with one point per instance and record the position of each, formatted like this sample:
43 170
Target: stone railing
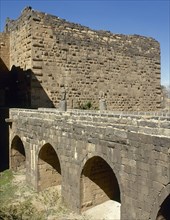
155 123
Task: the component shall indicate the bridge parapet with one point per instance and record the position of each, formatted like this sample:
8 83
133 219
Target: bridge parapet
151 123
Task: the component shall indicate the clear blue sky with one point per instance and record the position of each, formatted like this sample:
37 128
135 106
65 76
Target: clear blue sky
143 17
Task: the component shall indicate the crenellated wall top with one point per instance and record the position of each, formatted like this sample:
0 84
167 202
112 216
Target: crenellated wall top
132 45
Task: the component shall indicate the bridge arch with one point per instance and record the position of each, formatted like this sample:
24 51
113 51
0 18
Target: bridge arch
17 154
48 167
164 211
98 183
161 206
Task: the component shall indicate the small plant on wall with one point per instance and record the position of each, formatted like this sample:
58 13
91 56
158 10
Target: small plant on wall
86 106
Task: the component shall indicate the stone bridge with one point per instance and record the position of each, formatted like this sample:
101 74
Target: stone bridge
95 157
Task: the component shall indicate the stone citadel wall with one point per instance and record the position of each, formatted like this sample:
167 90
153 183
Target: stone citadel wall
135 148
4 49
125 67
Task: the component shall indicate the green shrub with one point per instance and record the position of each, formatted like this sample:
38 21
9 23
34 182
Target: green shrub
86 106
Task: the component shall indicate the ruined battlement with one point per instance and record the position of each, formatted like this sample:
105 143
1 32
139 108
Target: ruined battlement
72 33
58 53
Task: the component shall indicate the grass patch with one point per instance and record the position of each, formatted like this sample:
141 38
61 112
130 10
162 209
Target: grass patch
21 211
5 177
7 190
20 202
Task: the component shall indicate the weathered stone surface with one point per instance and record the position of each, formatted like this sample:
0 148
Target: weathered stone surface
4 50
94 155
89 151
125 67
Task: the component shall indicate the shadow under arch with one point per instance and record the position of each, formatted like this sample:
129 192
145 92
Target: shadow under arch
17 155
49 169
164 211
161 205
98 183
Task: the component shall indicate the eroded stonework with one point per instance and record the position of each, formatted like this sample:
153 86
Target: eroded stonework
94 155
117 156
125 67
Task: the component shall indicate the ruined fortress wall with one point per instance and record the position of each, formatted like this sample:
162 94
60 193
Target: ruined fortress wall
4 49
20 41
126 68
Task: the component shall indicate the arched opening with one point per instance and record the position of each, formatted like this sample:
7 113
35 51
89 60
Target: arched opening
49 171
164 211
98 184
18 158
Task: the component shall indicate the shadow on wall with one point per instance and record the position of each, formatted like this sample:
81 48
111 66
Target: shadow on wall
38 96
21 89
4 113
18 89
25 90
18 93
4 139
4 81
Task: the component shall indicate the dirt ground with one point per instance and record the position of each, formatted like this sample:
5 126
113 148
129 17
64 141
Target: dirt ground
20 202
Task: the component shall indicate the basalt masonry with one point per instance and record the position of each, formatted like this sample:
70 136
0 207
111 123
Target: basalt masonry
126 68
96 157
